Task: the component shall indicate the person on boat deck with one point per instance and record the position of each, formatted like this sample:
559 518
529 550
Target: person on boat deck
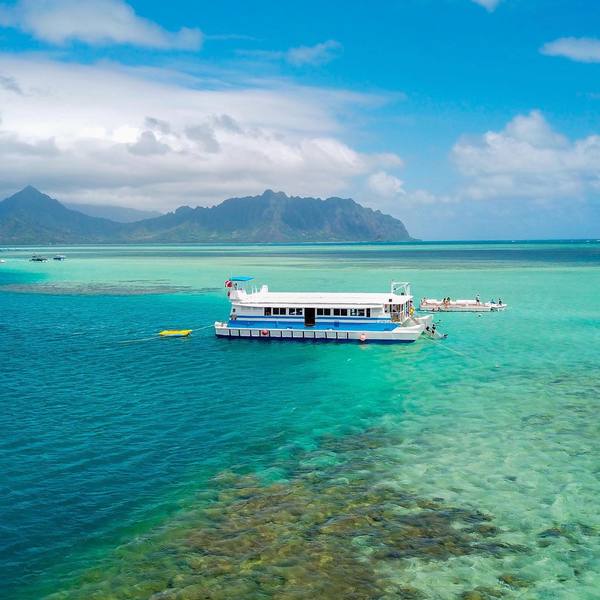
500 301
492 301
477 299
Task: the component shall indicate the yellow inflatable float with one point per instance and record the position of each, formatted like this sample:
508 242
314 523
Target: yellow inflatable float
175 332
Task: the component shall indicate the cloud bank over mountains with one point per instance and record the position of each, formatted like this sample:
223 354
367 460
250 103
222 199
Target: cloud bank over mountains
146 139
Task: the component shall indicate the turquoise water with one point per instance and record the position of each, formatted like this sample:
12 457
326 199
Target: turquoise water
201 468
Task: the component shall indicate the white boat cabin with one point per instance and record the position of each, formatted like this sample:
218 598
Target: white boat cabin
311 308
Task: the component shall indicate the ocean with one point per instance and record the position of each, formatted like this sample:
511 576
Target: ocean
133 467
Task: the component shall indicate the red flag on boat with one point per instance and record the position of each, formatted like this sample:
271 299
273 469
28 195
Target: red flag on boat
229 283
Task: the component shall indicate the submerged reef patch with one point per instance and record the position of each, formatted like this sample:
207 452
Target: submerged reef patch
94 289
327 532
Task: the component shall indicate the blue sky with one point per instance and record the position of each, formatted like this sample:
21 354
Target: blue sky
467 119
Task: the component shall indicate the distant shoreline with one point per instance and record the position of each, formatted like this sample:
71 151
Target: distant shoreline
4 247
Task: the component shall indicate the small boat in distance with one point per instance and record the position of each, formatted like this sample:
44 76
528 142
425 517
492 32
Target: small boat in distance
448 305
59 257
322 316
38 258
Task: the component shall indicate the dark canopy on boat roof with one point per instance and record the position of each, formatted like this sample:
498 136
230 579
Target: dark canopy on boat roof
240 278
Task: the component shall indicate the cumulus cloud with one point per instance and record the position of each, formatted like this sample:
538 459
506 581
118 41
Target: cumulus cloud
204 136
157 125
528 159
577 49
96 22
147 144
489 5
385 185
138 137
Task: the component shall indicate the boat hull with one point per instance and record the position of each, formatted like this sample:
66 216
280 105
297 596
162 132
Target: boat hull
461 307
310 334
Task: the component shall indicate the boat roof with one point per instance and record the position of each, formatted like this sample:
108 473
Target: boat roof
341 299
240 278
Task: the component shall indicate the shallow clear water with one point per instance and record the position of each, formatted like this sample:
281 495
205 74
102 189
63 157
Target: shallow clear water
206 468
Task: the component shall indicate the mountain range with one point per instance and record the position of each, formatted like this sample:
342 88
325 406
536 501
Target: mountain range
31 217
120 214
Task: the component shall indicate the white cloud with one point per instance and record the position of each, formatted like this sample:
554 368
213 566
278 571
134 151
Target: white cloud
578 49
147 144
147 138
318 54
10 83
527 159
489 5
385 185
96 22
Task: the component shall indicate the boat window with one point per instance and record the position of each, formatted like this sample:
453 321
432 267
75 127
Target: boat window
278 311
336 312
343 312
360 312
368 312
267 311
296 311
353 312
323 312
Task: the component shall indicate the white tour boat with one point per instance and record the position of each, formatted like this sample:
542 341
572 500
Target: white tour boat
362 317
448 305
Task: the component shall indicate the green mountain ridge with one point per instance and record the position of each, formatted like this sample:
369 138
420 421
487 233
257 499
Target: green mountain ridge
31 217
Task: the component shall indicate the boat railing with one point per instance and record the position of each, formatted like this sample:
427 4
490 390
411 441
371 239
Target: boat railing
400 288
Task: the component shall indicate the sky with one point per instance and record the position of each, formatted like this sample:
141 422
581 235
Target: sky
467 119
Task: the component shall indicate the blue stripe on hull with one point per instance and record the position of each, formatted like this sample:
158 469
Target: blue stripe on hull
300 326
